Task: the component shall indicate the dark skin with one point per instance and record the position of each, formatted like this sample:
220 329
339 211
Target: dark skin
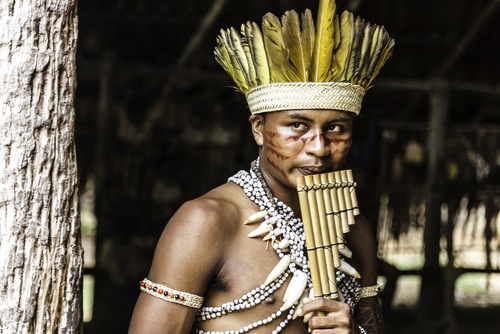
204 249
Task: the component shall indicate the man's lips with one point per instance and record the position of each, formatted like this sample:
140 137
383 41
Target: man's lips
310 170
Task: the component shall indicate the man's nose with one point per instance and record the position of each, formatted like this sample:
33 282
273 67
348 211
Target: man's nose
318 146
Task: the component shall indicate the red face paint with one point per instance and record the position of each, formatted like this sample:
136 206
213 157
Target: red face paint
300 142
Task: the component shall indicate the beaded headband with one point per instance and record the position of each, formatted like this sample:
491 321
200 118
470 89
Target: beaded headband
294 64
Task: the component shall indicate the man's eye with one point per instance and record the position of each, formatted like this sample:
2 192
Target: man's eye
334 128
298 126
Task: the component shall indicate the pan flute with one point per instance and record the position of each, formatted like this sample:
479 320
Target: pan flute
328 205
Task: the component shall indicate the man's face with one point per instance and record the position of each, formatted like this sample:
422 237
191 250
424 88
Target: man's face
303 142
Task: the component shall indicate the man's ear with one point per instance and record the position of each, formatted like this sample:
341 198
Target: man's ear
257 122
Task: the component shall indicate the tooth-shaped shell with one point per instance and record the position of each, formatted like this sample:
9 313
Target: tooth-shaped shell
299 305
278 269
348 269
259 231
297 285
341 296
284 244
298 262
346 252
309 315
273 220
256 217
311 294
277 231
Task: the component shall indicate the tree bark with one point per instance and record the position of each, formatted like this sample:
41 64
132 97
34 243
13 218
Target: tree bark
40 245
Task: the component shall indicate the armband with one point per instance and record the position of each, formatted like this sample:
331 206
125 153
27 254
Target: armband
170 295
369 291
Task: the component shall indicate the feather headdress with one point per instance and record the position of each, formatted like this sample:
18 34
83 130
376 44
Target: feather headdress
294 64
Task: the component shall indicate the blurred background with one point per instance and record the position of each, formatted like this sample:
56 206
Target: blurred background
158 124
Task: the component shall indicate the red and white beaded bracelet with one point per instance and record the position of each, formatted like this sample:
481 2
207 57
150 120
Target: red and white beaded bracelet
170 295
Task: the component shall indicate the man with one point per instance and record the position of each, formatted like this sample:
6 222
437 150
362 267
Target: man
212 272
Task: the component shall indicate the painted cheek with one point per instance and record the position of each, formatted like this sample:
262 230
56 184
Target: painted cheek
340 146
272 162
281 146
280 149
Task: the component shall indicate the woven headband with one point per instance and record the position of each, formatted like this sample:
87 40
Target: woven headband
305 95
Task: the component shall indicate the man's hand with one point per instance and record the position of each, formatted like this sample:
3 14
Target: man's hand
337 318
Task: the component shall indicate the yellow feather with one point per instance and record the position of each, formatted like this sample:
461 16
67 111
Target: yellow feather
236 71
252 76
221 55
377 42
296 66
258 52
365 54
308 31
240 55
323 44
276 50
224 59
336 32
343 51
352 73
385 55
335 69
307 38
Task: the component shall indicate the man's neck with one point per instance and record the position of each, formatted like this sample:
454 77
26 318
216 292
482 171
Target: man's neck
285 194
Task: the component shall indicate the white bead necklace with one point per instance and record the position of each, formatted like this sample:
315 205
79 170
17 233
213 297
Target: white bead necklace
289 229
285 222
248 300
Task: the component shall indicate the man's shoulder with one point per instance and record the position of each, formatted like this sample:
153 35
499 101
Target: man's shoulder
219 207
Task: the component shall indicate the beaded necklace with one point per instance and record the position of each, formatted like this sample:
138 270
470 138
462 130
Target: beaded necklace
281 221
286 235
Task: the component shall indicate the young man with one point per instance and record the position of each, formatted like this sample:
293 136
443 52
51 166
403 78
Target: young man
212 272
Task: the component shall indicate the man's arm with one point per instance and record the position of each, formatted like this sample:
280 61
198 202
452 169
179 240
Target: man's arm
361 240
185 260
368 314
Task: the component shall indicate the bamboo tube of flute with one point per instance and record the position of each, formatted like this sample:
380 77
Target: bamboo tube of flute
318 238
325 235
341 199
332 232
306 219
336 212
354 198
347 197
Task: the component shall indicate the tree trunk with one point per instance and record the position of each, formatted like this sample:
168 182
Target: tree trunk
40 245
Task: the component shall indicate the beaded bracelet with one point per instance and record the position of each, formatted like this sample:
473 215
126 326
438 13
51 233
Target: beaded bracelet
369 291
170 295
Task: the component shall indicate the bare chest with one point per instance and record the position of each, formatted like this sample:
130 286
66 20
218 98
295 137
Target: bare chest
239 294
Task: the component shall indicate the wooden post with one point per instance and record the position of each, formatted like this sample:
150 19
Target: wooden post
431 294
